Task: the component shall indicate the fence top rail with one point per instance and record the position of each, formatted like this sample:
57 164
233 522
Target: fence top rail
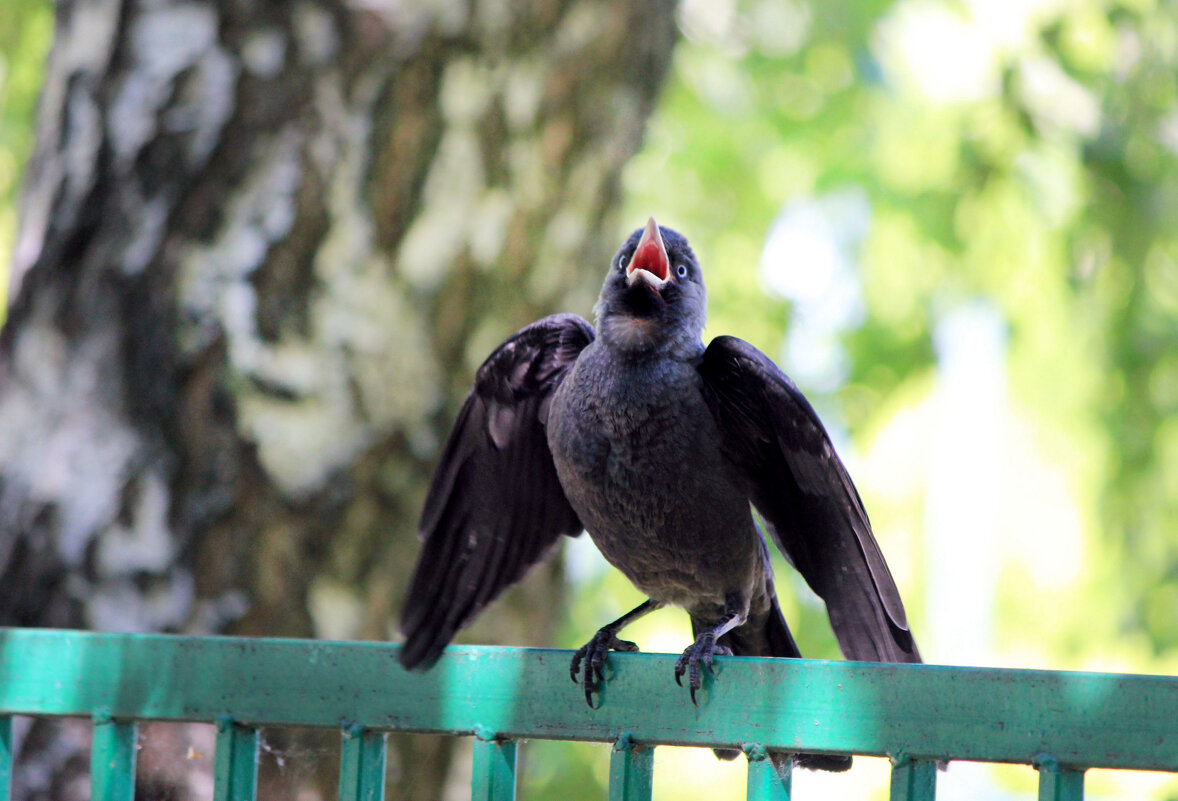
916 711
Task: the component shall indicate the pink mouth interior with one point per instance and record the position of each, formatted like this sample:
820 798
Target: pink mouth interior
652 258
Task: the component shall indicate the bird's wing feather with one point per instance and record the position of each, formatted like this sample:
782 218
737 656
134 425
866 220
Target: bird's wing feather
801 488
495 506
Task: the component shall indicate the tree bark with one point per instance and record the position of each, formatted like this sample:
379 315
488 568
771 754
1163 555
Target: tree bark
262 248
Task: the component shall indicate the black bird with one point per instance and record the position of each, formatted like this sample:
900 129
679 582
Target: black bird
657 446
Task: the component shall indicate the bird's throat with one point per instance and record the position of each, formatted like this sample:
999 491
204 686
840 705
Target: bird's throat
631 334
642 300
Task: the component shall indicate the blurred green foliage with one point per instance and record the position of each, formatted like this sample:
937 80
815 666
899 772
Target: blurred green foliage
26 28
1024 156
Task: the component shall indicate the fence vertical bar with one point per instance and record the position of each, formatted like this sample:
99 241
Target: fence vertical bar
5 757
631 770
112 759
913 780
235 769
362 765
1058 783
768 782
494 768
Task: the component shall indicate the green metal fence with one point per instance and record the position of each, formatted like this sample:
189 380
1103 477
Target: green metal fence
1060 722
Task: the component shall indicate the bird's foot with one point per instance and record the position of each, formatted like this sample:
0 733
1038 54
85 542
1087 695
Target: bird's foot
699 652
593 655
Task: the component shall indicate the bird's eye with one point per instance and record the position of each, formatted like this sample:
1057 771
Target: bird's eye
681 271
622 261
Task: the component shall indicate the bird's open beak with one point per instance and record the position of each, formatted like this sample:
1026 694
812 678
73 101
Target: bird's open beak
650 262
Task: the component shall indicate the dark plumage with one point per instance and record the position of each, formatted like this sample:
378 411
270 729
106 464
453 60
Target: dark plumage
657 446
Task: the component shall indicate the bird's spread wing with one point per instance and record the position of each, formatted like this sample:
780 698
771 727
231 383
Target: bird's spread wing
495 506
803 491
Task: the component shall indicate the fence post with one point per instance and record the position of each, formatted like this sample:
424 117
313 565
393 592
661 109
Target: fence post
1057 783
362 765
631 770
5 757
112 759
913 779
235 764
766 781
494 767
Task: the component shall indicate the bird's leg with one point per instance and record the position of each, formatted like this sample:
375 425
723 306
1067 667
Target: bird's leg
594 652
704 648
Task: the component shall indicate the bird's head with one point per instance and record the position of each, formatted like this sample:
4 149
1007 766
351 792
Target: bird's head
654 297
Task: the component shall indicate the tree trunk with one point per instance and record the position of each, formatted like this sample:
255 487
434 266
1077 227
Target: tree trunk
262 248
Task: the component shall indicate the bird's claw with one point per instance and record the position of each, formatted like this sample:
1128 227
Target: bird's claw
699 652
593 655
